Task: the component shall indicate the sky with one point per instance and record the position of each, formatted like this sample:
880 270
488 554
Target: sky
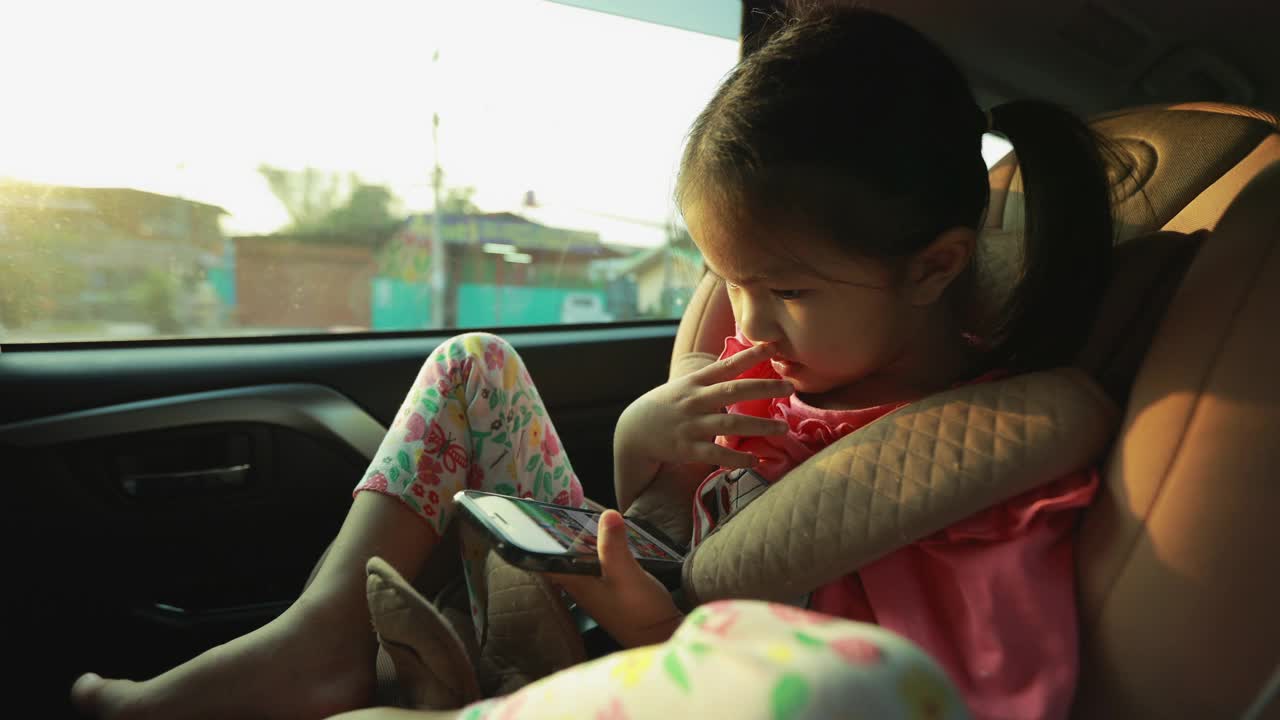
586 109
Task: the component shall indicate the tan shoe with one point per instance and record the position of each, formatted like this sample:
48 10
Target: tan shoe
432 668
525 629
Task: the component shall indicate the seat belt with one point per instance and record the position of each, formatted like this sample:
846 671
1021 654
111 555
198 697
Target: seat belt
900 478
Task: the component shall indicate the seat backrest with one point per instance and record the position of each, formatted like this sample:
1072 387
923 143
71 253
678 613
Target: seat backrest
1187 163
1176 558
1176 597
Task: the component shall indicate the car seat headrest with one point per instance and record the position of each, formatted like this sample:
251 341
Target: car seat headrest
1183 164
1173 152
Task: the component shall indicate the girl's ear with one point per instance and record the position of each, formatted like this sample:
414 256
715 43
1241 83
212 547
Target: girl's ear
931 270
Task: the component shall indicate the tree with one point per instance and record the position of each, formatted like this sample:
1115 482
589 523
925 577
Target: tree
457 201
368 207
308 196
155 297
321 203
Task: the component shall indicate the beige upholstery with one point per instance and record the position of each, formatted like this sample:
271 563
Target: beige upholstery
707 321
1178 583
1178 589
905 476
1188 162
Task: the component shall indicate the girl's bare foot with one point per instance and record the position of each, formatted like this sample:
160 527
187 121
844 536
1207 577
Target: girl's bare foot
315 660
311 662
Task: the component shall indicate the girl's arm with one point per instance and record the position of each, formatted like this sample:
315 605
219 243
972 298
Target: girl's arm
633 477
666 498
665 440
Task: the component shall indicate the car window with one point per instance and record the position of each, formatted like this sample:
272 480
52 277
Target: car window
206 169
994 148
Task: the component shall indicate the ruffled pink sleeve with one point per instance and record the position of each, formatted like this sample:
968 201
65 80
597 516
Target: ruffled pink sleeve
1014 517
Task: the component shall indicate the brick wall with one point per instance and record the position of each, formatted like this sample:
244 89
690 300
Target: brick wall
294 284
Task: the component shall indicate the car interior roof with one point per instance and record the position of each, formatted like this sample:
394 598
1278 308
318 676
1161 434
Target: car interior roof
1096 57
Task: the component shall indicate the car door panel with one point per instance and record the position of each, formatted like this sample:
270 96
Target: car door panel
182 492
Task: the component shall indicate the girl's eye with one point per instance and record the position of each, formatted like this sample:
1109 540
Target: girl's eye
789 294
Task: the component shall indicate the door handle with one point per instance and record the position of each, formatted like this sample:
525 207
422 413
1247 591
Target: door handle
180 483
173 616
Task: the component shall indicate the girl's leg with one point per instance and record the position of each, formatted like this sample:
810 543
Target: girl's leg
315 659
289 669
474 421
749 660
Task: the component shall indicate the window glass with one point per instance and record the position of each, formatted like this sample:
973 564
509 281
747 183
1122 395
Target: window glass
994 148
229 168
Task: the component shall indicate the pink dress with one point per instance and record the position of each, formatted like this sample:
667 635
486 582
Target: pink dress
991 598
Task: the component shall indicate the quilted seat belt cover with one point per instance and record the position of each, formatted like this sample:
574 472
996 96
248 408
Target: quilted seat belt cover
902 478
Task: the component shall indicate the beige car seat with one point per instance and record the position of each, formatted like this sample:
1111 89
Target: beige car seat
1174 605
1178 591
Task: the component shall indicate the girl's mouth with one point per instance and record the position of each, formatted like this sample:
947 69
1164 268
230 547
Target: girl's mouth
784 366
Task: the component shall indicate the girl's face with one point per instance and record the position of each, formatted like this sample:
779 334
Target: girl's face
835 333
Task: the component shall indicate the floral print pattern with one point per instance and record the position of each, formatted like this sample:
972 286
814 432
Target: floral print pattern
472 420
751 660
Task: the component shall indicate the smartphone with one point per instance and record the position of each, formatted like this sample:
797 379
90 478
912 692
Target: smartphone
544 537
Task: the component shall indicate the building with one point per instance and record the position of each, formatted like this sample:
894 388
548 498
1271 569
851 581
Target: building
86 255
502 270
305 283
653 282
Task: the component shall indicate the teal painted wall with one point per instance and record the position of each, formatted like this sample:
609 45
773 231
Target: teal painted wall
492 305
399 305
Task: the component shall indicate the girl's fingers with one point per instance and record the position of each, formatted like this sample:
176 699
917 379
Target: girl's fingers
740 425
731 367
713 454
735 391
616 560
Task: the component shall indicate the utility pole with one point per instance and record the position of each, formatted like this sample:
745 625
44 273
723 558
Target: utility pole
438 262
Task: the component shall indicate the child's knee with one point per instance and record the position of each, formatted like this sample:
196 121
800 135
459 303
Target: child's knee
469 345
479 343
474 358
494 352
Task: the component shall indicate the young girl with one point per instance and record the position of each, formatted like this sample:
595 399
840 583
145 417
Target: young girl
836 184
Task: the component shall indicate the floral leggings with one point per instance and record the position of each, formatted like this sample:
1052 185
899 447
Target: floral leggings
473 419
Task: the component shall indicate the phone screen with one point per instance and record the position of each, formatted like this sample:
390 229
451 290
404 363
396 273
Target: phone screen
577 531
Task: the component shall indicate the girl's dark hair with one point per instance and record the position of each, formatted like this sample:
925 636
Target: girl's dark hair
853 125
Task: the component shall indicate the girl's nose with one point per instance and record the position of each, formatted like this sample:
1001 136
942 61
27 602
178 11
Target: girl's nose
757 323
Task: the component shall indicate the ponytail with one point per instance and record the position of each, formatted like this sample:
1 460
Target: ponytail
853 122
1069 236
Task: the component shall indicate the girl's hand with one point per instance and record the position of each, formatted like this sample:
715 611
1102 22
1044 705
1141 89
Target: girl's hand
628 602
678 422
